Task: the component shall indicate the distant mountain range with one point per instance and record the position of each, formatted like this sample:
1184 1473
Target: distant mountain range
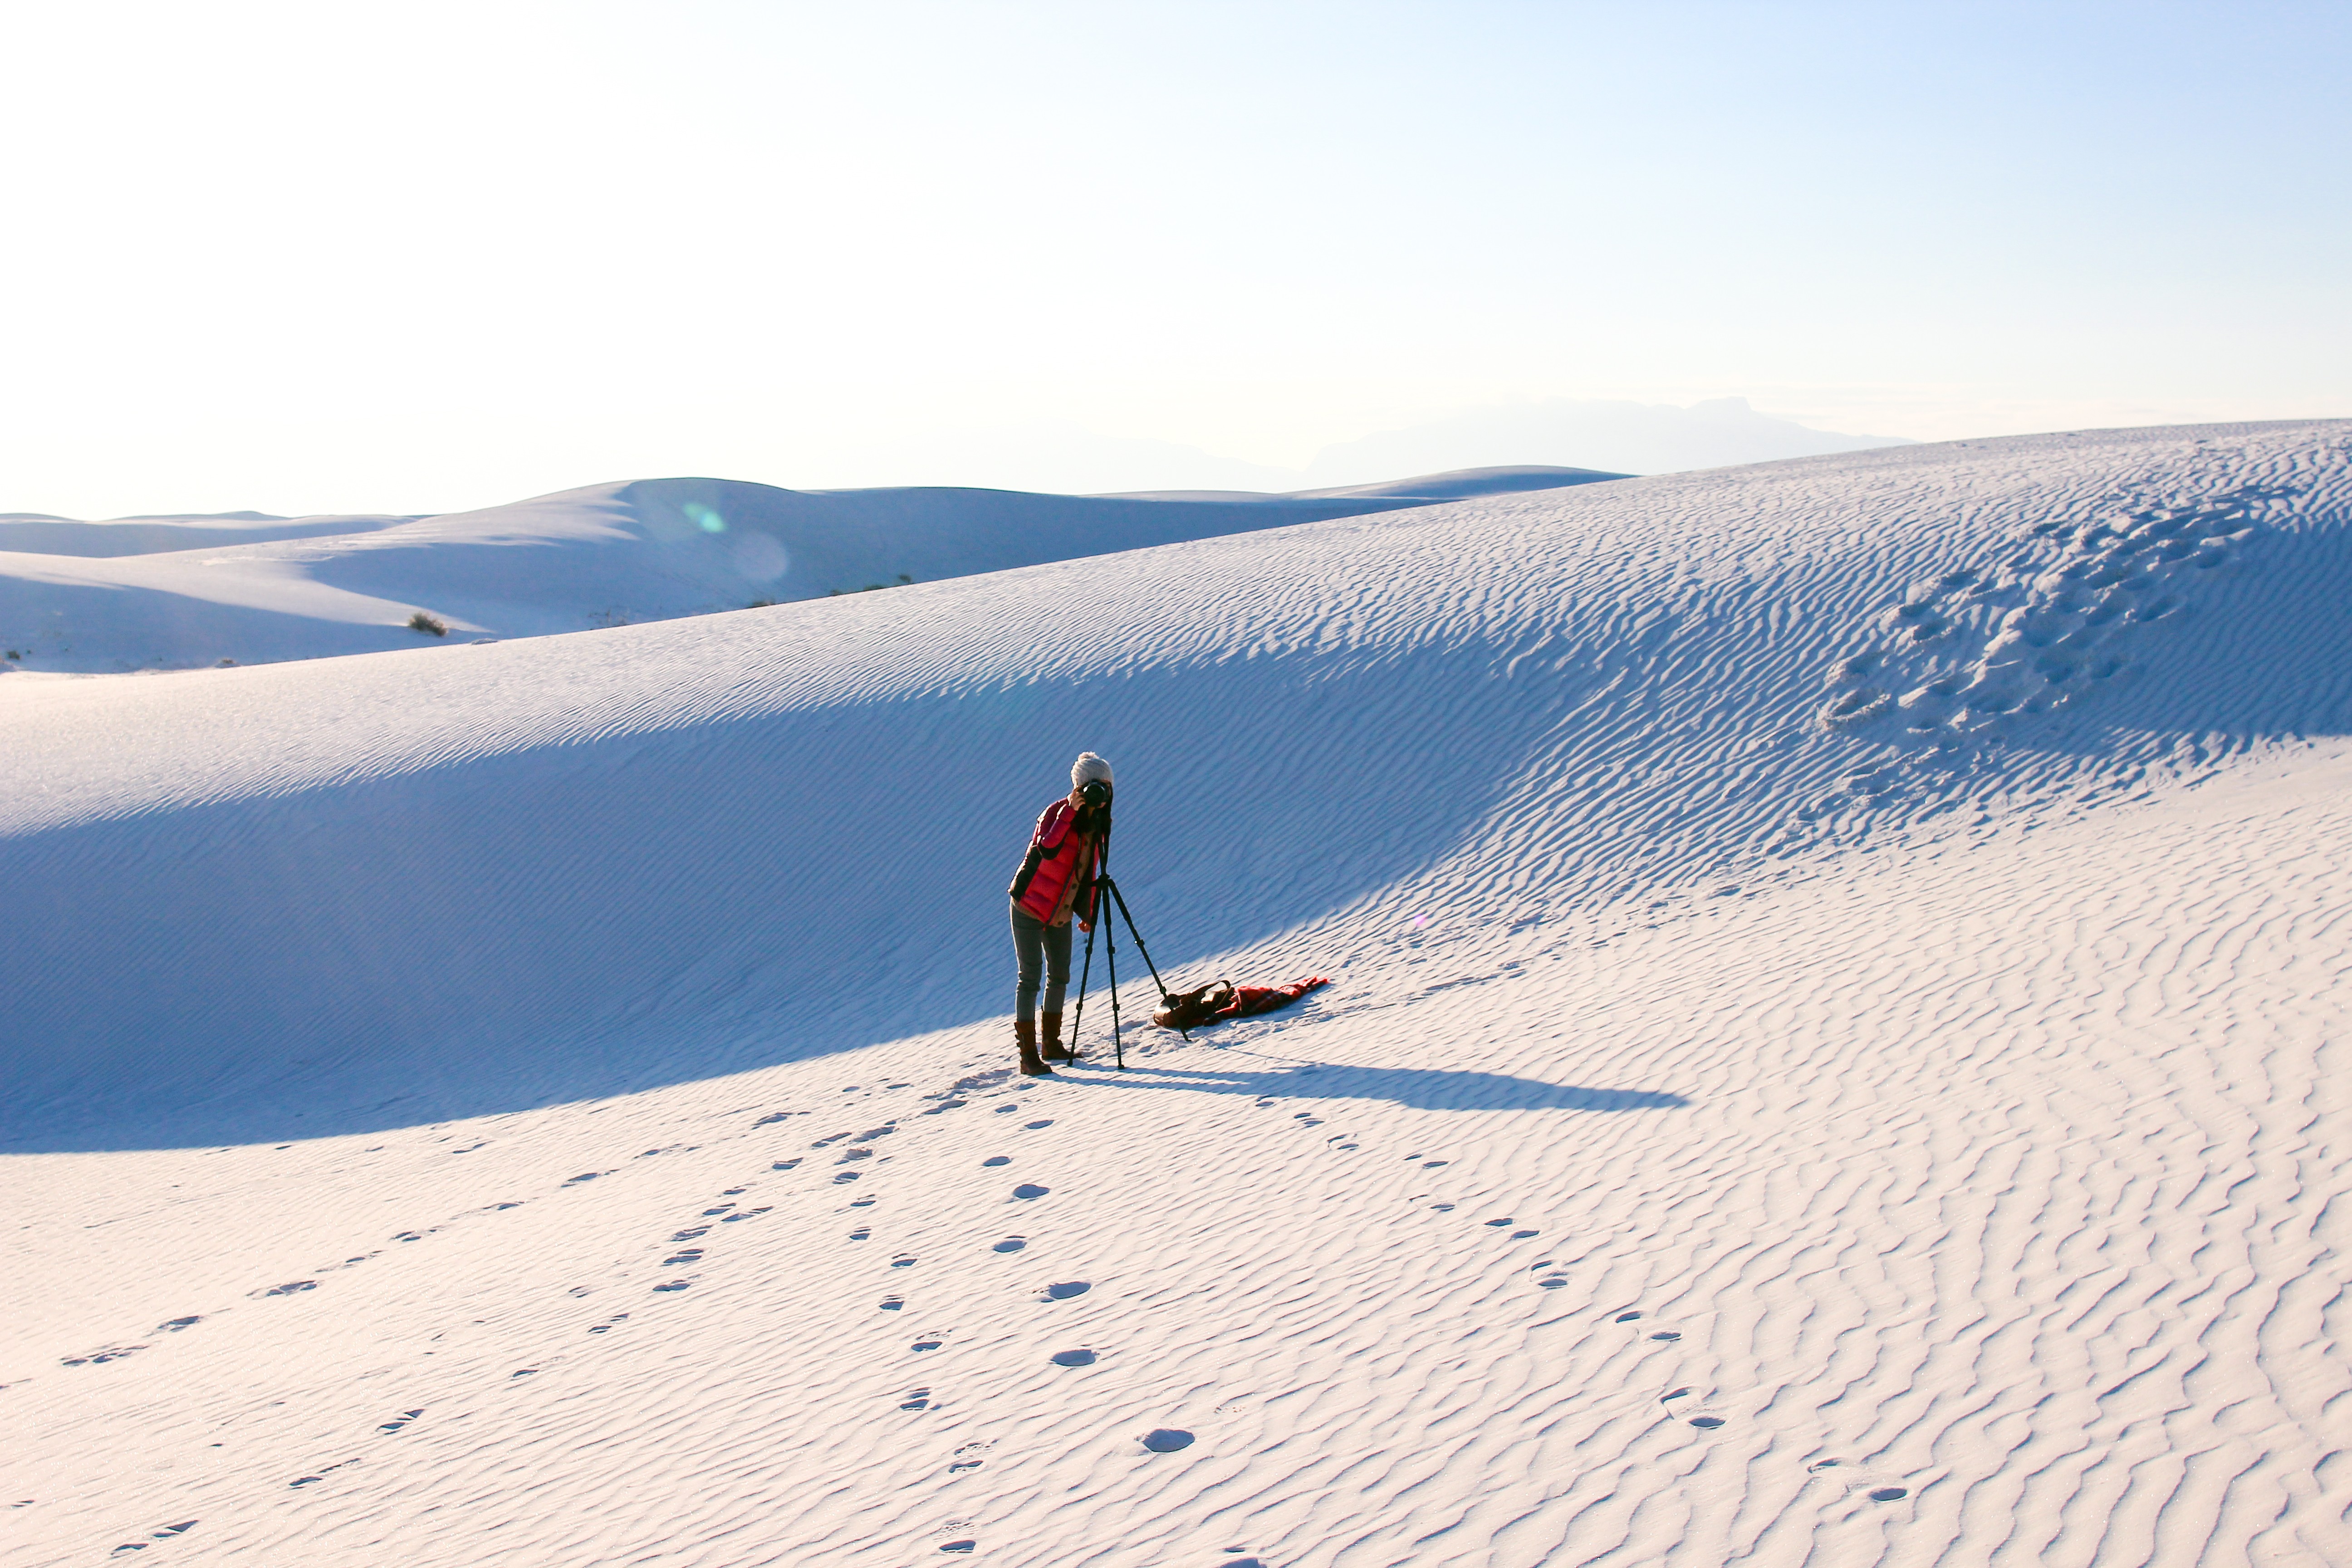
1617 436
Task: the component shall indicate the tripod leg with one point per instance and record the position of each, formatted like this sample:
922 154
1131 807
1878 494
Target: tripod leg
1079 1016
1110 961
1121 900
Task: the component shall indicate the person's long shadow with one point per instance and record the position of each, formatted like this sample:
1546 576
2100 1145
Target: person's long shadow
1424 1088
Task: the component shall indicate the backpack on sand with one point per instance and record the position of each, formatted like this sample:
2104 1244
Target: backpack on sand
1191 1009
1222 999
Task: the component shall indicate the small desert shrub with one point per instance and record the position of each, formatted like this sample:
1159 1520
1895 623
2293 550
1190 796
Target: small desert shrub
871 587
421 621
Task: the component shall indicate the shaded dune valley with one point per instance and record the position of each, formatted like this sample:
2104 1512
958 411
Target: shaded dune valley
1835 1052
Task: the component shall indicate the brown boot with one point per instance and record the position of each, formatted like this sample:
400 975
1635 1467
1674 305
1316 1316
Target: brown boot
1051 1047
1025 1034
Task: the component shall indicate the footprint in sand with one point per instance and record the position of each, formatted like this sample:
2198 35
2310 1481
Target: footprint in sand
904 1260
673 1285
1709 1409
692 1234
1664 1330
1859 1482
404 1417
292 1288
680 1259
916 1399
892 1303
1664 1335
1691 1407
1028 1190
176 1324
861 1232
1167 1439
996 1160
783 1164
1064 1290
1037 1126
1074 1358
1011 1244
928 1344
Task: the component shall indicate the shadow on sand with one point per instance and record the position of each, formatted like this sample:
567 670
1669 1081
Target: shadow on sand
1423 1089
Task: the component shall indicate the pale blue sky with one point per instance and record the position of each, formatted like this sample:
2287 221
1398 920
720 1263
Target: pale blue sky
431 256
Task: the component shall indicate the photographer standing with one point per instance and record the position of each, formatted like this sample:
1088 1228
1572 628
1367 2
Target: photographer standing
1056 879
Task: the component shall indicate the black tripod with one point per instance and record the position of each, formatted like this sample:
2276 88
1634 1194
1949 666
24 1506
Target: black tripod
1101 883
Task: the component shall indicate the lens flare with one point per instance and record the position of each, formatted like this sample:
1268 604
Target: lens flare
704 518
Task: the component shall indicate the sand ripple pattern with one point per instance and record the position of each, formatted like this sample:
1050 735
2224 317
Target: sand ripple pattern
1959 1208
580 865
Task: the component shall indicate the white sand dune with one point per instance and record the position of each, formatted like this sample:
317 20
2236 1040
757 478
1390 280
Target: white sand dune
181 592
1835 1054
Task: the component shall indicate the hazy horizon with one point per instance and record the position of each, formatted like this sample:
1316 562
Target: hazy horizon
277 258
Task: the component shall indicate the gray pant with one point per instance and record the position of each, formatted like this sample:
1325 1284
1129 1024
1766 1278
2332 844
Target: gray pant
1043 949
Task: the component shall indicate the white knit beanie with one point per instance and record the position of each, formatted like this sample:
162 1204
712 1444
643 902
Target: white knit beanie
1088 767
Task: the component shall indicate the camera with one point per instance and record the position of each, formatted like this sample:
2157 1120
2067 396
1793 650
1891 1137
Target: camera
1094 808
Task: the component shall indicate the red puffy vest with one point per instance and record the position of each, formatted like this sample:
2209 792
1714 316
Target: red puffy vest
1055 852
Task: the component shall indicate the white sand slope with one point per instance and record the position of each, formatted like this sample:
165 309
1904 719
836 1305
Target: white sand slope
181 592
544 1103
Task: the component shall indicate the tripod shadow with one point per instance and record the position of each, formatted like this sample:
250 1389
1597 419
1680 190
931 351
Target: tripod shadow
1423 1089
